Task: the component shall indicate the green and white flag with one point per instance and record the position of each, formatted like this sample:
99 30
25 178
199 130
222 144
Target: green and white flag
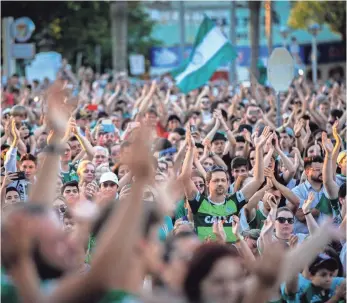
211 49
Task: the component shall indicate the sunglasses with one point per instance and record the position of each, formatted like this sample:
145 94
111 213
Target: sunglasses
108 184
200 185
283 220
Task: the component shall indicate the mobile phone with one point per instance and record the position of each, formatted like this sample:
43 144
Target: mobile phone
193 129
19 176
108 126
173 98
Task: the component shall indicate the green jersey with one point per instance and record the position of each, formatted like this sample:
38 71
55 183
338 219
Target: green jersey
258 220
206 211
71 174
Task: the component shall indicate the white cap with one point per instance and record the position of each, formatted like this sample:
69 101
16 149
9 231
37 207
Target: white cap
109 176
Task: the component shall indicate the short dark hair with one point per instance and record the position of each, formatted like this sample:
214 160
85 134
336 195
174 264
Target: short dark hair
70 184
215 170
199 145
240 139
11 188
238 162
28 157
309 160
73 138
336 113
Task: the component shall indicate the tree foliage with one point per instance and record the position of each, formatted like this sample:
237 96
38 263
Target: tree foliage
79 26
332 13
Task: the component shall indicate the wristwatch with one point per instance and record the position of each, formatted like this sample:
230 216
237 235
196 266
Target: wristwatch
211 154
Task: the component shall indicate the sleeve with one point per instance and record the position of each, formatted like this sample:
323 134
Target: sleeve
243 220
180 211
297 192
196 202
11 160
239 199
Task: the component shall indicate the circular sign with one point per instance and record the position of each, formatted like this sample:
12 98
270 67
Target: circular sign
280 69
22 29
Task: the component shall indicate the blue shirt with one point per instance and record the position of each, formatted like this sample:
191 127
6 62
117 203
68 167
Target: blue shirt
307 292
302 191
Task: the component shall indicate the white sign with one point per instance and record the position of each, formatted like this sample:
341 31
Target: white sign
280 69
44 65
23 50
137 64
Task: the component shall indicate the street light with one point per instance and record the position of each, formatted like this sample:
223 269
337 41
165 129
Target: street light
314 29
284 30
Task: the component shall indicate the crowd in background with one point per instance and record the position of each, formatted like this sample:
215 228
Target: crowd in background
114 190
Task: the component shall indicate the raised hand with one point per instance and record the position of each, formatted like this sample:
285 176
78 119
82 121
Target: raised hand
263 137
269 173
236 226
219 231
328 146
307 204
275 138
270 198
298 127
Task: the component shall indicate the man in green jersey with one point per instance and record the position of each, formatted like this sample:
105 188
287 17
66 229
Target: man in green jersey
219 205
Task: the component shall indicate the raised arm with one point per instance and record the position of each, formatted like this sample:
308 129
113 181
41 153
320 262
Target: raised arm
188 185
86 145
252 204
251 188
337 146
328 176
306 208
287 163
285 191
44 189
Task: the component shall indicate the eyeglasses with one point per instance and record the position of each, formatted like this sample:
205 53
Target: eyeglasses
283 220
100 157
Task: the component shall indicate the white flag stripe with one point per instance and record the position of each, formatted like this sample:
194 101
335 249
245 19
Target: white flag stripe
211 44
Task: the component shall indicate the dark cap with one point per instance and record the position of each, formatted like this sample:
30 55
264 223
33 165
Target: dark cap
252 233
173 117
323 261
218 136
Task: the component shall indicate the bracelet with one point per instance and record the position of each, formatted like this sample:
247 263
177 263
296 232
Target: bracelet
54 149
298 136
307 213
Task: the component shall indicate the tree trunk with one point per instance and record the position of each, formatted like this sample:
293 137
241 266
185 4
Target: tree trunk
254 26
119 35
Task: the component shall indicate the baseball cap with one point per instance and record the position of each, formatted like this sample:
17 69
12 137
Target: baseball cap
174 117
323 261
109 176
218 136
251 233
341 156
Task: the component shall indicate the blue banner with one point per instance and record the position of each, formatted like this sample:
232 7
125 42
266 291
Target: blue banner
326 52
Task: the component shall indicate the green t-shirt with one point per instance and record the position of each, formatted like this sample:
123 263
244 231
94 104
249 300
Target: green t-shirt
71 174
119 296
180 211
258 221
205 212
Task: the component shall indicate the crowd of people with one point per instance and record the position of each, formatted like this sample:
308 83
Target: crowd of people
121 191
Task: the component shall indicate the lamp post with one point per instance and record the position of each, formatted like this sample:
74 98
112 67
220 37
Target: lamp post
284 33
314 30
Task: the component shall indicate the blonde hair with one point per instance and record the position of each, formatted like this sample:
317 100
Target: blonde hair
82 165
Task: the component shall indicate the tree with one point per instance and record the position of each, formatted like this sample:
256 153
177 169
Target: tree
79 26
332 13
254 7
